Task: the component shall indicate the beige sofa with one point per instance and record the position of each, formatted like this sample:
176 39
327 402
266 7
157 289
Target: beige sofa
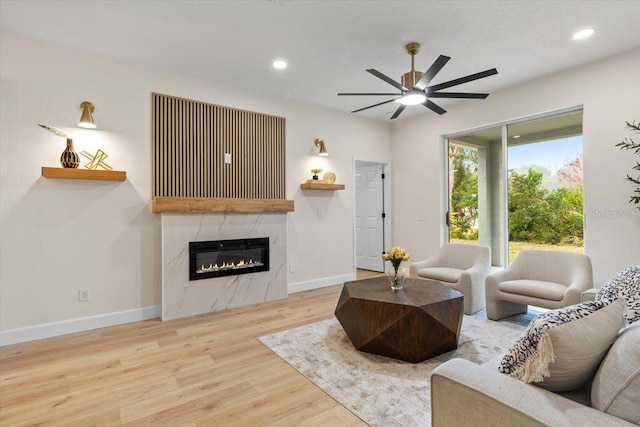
460 266
464 393
542 278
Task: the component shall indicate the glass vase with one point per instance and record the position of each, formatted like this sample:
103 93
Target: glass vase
396 277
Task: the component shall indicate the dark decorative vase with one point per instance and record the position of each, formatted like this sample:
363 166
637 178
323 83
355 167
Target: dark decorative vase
69 158
315 177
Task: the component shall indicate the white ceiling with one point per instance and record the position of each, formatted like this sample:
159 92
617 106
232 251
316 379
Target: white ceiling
329 44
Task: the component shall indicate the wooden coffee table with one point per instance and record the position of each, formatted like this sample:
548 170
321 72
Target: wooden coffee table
414 324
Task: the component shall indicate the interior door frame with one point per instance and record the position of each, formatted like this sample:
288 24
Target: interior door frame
388 220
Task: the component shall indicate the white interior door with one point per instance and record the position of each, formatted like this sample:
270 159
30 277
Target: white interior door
369 219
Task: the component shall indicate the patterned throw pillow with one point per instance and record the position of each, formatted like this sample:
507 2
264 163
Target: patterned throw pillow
625 284
561 349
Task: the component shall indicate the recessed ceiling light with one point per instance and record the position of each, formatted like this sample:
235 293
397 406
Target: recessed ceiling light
583 34
515 136
280 65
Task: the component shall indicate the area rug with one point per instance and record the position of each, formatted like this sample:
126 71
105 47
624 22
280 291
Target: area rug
380 390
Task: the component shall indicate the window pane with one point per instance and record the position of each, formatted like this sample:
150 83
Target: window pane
463 191
545 184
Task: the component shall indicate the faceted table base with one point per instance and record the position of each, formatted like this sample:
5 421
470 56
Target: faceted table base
416 323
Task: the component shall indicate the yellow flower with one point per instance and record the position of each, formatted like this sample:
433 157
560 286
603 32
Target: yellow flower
396 255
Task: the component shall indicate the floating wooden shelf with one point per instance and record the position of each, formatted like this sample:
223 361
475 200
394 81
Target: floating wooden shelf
70 173
321 186
202 204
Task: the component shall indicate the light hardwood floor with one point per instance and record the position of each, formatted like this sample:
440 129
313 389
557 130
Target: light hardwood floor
368 274
207 370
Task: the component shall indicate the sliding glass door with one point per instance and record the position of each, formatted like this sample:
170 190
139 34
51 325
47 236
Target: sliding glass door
476 176
517 186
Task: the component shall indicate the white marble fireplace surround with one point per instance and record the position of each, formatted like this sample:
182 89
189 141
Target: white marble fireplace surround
181 297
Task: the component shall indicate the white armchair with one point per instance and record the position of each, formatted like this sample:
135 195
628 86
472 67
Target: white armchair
548 279
460 266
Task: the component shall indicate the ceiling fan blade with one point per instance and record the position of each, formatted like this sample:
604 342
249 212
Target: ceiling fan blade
434 107
457 95
398 111
366 94
462 80
432 71
389 80
375 105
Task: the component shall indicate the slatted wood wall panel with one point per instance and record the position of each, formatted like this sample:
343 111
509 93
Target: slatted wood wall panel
190 139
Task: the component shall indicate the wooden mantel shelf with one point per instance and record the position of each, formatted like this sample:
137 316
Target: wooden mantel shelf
321 186
217 205
71 173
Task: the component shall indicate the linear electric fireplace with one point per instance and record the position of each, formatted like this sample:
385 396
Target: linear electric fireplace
227 257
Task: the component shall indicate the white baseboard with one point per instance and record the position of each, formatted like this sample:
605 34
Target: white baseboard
54 329
320 283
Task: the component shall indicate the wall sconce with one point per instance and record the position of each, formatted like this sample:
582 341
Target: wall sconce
86 119
323 149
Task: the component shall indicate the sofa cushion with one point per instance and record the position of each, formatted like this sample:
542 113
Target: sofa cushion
534 288
561 349
582 395
444 274
625 284
616 386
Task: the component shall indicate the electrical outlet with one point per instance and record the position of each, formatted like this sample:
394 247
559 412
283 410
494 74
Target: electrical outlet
227 158
83 295
292 267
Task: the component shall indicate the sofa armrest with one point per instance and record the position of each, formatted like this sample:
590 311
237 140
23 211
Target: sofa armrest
509 273
589 294
427 263
478 272
464 394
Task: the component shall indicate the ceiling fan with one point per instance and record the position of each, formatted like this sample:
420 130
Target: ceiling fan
414 89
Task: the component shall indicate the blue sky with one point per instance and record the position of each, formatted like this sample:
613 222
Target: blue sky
550 154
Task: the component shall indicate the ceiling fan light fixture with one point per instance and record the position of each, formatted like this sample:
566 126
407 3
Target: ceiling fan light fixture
412 98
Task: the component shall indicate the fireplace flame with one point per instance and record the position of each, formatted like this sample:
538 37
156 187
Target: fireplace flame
229 266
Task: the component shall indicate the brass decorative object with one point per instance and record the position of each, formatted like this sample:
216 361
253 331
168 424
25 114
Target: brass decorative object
69 158
86 119
97 160
329 177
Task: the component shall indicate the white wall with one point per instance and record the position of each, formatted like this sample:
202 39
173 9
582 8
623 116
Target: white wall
62 235
610 94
